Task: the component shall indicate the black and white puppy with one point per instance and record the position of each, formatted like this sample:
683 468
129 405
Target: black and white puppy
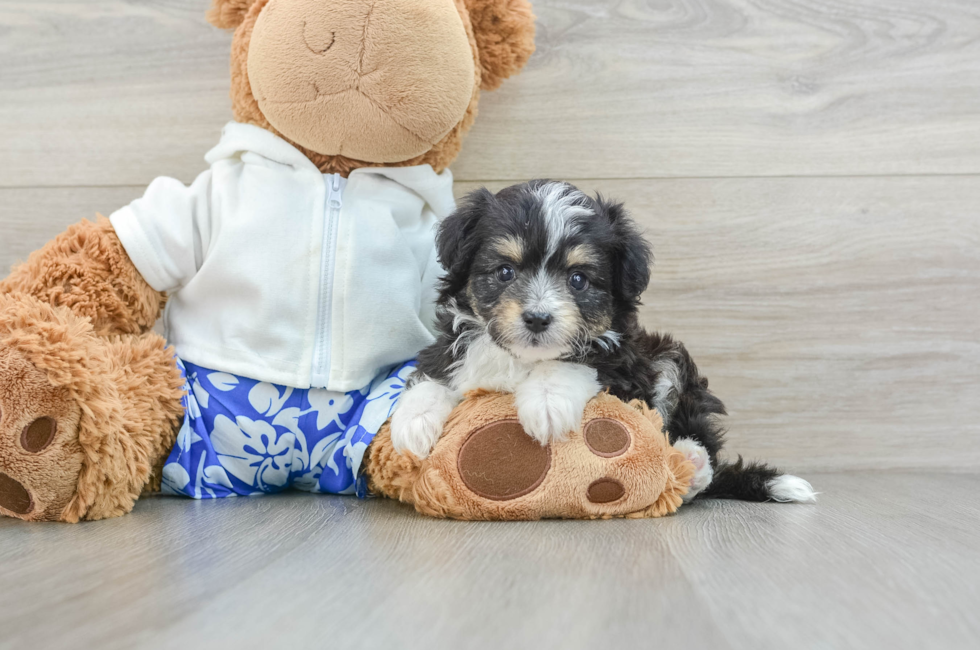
540 299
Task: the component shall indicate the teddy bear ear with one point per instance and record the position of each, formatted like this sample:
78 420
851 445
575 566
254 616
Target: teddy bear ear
228 14
504 31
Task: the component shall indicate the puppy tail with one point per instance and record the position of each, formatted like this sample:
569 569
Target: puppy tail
757 482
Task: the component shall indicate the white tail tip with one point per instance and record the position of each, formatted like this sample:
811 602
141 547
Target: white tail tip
789 488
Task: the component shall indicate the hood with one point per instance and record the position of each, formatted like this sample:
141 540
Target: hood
238 139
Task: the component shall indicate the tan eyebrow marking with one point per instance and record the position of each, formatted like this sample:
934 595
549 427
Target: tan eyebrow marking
580 255
511 248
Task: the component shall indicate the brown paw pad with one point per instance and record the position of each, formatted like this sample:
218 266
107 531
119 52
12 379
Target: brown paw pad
38 434
606 438
14 496
501 462
605 490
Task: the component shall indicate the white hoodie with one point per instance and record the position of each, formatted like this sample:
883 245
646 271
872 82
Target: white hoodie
279 273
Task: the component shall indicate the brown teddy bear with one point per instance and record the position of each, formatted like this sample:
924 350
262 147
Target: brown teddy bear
300 272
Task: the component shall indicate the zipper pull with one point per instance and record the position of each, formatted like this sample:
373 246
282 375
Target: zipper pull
334 199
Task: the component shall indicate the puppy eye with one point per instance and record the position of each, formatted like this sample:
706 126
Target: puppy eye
506 273
578 281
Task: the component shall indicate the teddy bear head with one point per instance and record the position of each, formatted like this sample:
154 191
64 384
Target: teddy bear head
359 83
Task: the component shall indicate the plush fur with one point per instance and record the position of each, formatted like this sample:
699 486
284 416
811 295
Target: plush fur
504 37
87 270
541 275
228 14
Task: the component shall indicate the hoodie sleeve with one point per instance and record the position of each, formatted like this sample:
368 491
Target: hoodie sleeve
167 231
430 293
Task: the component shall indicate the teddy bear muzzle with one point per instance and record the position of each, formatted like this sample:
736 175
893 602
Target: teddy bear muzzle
376 80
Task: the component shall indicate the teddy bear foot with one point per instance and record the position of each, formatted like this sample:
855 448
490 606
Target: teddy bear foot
84 419
486 466
40 457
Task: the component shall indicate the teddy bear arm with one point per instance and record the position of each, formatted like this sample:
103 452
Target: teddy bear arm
87 270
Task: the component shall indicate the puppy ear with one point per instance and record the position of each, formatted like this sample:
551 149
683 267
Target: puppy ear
457 241
631 253
504 31
228 14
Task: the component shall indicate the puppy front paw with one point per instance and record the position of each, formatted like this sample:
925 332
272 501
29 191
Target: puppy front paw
417 422
703 472
550 420
551 402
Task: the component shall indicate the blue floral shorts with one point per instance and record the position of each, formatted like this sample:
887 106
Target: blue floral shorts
242 437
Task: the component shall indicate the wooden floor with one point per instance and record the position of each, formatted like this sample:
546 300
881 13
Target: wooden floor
809 174
885 560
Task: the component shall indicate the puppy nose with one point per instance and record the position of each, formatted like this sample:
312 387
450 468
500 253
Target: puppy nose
537 322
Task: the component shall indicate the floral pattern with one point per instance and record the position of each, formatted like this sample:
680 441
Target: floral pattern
242 437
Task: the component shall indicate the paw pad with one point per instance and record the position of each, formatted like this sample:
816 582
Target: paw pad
501 462
605 490
38 434
607 438
14 496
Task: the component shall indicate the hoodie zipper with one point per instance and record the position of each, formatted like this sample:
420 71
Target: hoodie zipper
320 375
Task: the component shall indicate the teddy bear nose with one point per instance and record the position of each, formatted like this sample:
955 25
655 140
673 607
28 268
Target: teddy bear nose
537 322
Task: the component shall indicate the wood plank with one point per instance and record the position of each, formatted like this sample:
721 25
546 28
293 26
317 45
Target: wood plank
871 566
109 92
116 92
884 560
837 318
31 217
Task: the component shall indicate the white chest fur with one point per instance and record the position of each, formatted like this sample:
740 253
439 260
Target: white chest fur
487 365
550 396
